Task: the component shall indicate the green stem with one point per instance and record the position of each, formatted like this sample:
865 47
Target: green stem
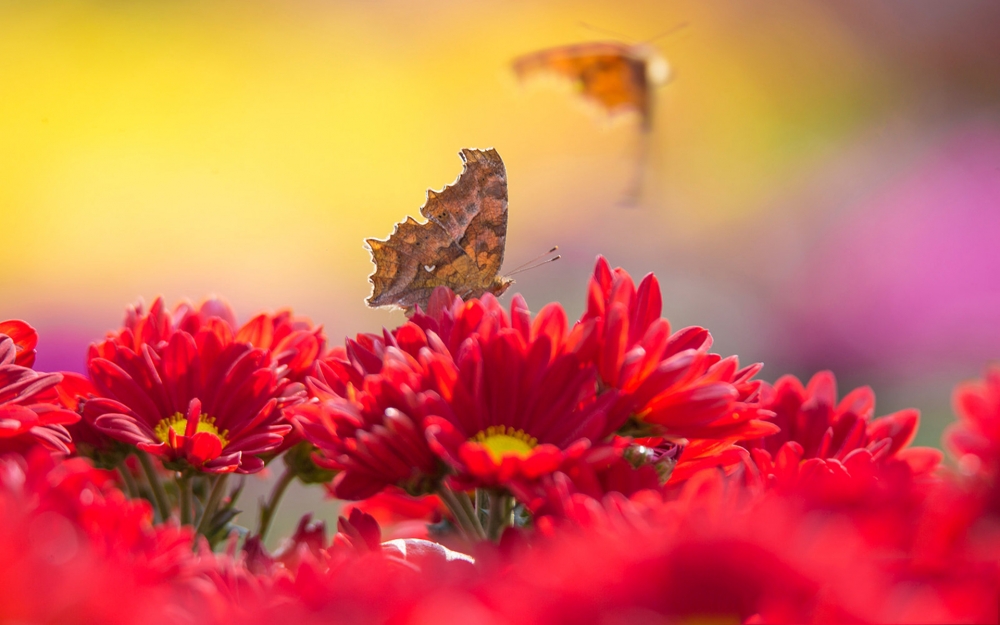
471 511
267 510
160 502
466 522
482 499
184 487
499 518
131 488
214 497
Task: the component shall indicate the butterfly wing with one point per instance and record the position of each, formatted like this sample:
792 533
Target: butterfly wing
399 258
607 72
461 246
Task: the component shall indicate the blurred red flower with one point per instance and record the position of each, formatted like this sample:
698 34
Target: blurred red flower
26 419
836 442
401 515
73 549
975 438
25 339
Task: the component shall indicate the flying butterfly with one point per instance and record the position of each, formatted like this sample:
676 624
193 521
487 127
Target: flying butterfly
619 77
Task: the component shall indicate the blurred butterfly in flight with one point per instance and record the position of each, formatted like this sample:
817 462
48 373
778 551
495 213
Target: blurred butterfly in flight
619 77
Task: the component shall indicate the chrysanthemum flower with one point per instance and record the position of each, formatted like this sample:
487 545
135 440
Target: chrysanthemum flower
821 436
582 479
183 387
25 339
669 383
401 515
498 396
293 342
26 420
74 549
73 393
369 424
522 403
975 438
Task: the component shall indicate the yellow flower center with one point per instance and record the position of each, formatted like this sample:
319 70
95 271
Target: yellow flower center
178 423
502 441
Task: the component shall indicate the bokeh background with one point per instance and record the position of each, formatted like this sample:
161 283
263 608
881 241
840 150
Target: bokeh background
822 188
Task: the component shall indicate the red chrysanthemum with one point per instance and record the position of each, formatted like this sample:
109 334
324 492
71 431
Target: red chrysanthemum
293 342
669 383
74 549
584 481
369 423
73 393
975 438
26 419
25 339
522 402
498 396
401 515
823 437
191 387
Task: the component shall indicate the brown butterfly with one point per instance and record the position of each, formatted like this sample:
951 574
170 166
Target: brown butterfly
460 246
620 77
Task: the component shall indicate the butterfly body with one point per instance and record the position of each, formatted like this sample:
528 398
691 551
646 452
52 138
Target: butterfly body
619 77
461 246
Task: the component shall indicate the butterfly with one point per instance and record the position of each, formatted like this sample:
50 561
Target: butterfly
460 246
620 77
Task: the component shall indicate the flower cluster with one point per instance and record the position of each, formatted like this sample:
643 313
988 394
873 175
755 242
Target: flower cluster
500 467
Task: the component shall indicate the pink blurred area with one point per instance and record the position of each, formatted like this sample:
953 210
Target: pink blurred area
908 276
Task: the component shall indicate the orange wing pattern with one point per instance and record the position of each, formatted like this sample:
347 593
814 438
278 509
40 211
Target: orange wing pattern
610 73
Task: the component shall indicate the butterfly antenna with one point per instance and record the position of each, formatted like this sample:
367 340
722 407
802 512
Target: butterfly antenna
605 31
534 262
669 31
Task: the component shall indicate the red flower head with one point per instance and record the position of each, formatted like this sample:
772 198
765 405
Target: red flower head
25 338
294 343
73 393
185 388
101 559
400 515
670 384
821 436
975 438
499 397
25 419
307 542
522 402
369 424
360 532
581 482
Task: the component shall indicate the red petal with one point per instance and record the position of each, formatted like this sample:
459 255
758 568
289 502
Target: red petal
112 380
353 486
259 332
900 426
544 459
204 446
615 342
648 307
